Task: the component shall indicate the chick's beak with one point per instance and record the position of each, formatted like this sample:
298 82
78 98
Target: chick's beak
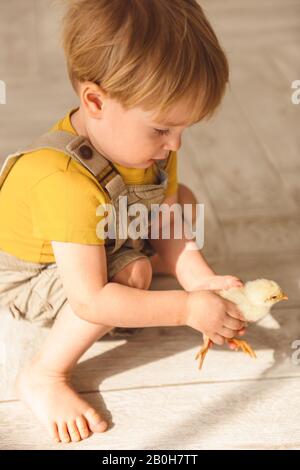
283 296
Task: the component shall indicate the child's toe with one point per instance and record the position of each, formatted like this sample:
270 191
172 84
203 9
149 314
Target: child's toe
63 432
54 432
82 427
96 423
73 431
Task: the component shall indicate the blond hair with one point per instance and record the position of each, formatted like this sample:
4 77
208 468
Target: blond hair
146 53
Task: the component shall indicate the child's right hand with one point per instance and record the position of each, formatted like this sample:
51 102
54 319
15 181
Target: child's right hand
213 316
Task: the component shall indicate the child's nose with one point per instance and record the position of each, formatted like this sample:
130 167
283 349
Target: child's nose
174 144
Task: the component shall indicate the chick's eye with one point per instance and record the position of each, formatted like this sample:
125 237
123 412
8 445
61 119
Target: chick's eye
162 131
274 297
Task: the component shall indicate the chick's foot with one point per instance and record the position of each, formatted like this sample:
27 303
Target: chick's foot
243 345
203 351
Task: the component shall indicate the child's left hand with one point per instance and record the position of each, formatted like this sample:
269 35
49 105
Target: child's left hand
218 283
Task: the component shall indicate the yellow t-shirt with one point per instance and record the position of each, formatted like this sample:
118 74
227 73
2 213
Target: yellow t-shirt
49 196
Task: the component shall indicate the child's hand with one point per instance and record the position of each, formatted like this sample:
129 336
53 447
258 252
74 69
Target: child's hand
218 283
213 316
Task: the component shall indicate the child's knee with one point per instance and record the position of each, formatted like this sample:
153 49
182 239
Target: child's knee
136 274
186 195
141 273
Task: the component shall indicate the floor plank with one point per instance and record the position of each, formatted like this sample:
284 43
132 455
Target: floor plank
206 416
163 356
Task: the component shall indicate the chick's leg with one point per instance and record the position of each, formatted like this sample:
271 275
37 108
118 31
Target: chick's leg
243 345
203 350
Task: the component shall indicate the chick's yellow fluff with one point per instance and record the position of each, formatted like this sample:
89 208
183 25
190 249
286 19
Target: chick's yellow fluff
254 301
255 298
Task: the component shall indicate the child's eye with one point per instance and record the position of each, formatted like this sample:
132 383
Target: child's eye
162 131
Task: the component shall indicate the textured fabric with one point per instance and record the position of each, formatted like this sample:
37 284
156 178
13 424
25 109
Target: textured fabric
31 291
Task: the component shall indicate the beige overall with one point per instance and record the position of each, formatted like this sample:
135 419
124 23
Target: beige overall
34 291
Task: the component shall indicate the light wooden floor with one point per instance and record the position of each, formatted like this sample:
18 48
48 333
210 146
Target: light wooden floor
245 166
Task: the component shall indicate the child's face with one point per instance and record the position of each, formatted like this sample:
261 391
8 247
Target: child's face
132 138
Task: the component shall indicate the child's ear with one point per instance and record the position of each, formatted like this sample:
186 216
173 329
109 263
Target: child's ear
92 98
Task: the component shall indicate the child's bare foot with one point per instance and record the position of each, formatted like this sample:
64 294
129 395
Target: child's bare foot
219 282
65 415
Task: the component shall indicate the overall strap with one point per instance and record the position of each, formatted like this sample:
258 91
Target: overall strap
81 150
77 147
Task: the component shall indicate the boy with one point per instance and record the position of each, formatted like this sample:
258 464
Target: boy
143 71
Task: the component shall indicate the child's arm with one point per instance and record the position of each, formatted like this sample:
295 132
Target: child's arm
186 262
83 272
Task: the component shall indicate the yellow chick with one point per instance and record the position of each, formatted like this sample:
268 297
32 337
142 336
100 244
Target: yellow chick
254 300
